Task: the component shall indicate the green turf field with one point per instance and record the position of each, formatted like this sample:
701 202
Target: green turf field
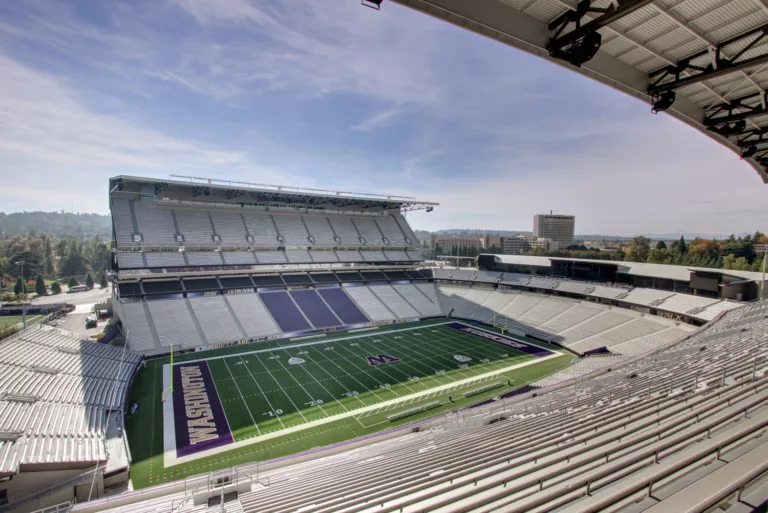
287 396
13 320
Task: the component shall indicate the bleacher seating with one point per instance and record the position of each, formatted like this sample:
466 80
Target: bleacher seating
391 230
214 317
252 315
204 258
68 385
230 227
368 229
130 260
270 257
639 437
345 230
165 259
640 296
323 257
349 255
316 310
297 256
174 323
238 257
394 301
369 303
123 223
607 292
195 226
425 306
683 303
261 228
284 311
291 229
320 229
155 224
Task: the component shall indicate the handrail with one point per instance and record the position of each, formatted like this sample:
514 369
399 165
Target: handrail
98 469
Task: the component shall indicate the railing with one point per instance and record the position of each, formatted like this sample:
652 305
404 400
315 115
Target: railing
89 475
64 507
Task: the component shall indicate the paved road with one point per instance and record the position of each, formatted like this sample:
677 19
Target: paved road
89 297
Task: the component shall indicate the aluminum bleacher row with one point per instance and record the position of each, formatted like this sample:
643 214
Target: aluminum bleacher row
55 391
582 326
150 223
153 325
683 429
702 308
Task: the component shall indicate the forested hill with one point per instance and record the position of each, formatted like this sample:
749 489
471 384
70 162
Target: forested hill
58 224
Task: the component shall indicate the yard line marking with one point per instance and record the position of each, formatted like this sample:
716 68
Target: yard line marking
281 388
435 358
334 378
453 346
241 395
395 380
398 345
312 399
376 350
171 459
318 382
261 391
353 377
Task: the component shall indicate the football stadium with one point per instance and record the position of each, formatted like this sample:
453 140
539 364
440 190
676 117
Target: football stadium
290 349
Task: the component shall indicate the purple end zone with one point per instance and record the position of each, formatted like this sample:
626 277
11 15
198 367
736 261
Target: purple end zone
518 345
197 412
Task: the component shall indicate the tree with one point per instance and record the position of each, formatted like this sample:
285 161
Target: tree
639 248
683 247
88 281
18 288
661 245
56 288
73 282
40 285
103 280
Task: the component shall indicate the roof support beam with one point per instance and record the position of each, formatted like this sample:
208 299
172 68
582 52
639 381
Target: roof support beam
708 74
752 113
612 13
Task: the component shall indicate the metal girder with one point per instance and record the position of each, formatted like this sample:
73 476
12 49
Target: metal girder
613 13
719 67
746 111
752 113
724 68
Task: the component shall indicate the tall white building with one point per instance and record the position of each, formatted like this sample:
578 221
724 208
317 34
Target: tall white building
555 227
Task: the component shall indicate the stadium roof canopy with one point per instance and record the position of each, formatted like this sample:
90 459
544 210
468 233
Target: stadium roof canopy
703 61
212 190
670 272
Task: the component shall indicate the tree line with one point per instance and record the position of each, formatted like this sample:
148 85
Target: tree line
51 261
735 253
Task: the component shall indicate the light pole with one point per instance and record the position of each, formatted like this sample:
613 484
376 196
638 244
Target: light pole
20 263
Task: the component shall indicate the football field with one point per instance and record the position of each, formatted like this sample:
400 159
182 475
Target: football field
286 397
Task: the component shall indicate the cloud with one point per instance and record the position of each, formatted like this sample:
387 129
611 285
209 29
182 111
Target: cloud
297 92
376 121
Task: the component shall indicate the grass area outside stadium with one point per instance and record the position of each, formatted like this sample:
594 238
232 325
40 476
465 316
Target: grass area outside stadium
7 321
274 408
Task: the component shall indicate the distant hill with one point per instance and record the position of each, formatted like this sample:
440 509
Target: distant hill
58 224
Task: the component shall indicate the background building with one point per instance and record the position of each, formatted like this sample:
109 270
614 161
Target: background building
522 244
555 227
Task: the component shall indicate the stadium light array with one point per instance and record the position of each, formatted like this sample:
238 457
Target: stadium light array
662 101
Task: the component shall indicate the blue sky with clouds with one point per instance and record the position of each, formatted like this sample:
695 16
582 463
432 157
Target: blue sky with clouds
329 94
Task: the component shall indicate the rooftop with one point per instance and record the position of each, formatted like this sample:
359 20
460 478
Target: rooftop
671 272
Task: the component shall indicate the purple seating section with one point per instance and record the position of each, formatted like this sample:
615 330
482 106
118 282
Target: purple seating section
344 307
314 308
285 313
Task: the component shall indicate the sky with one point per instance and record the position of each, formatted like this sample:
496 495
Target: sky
329 94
